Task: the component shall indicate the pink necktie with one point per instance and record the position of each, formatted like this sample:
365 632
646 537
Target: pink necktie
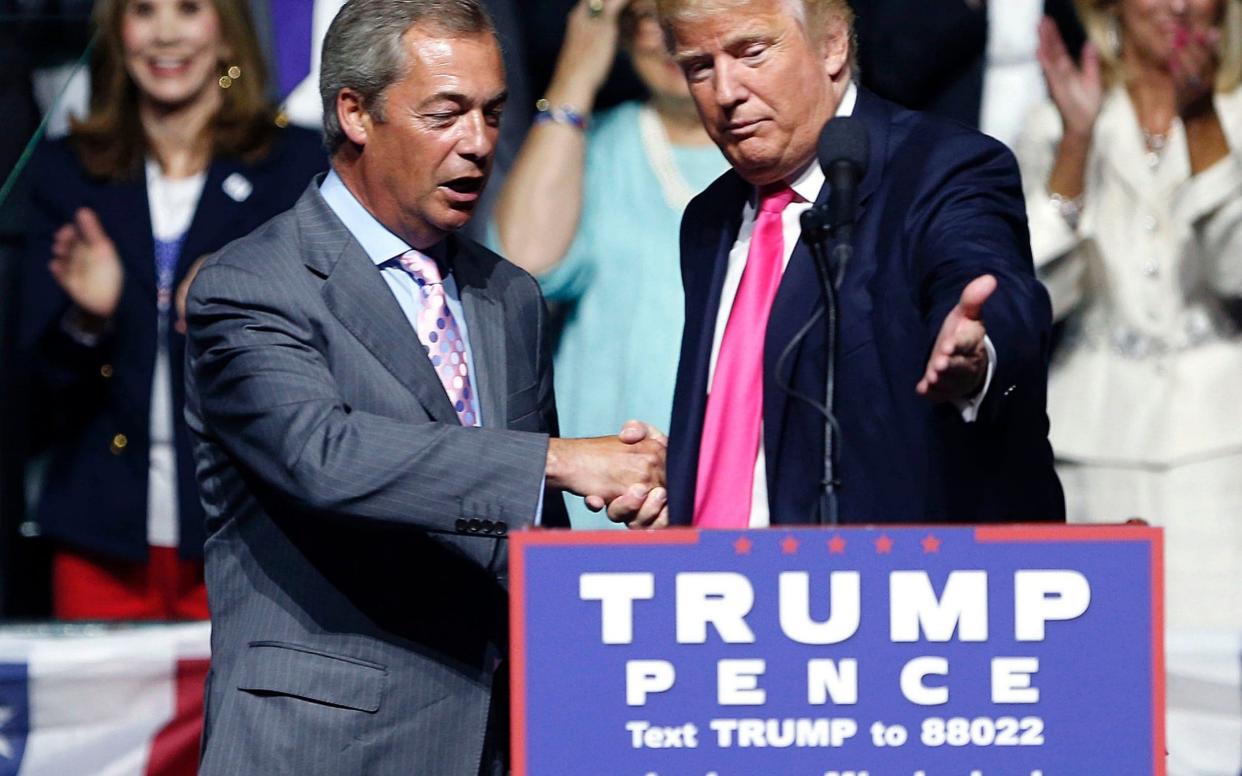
437 330
734 417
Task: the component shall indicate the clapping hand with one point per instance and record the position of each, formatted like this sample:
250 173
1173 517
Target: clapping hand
1193 64
1077 91
86 265
591 38
183 292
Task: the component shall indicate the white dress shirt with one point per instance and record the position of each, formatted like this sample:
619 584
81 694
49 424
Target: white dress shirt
806 185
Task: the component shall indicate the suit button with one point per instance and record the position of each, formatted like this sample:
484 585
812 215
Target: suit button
474 525
461 524
488 526
501 528
105 371
118 444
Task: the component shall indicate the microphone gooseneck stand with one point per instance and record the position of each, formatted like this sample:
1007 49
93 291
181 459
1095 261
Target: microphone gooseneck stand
828 230
815 233
830 267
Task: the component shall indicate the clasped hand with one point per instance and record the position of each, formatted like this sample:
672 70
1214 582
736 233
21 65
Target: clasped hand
624 474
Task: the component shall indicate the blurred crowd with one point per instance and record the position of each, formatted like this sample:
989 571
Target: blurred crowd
197 120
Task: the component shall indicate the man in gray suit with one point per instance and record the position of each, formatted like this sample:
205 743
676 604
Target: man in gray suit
372 401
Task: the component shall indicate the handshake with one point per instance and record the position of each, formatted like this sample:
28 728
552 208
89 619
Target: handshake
623 474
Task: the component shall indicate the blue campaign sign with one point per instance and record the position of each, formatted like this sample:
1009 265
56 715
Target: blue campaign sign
912 651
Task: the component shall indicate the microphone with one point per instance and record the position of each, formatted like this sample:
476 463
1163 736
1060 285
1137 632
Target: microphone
843 152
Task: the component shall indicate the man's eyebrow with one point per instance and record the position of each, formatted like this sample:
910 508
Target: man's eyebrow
733 42
463 99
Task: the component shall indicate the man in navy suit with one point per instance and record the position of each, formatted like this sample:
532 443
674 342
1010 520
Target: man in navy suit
942 348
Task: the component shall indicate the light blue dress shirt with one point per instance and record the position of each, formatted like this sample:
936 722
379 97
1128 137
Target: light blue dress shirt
384 248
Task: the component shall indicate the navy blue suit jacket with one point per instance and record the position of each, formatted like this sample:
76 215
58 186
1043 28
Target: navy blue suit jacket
95 493
940 205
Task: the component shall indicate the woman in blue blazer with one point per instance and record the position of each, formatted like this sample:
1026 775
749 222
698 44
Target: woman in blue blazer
180 154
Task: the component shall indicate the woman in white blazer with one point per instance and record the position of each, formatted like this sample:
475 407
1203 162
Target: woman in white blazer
1134 195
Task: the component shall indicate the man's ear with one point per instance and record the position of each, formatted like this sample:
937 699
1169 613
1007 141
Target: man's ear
836 47
353 117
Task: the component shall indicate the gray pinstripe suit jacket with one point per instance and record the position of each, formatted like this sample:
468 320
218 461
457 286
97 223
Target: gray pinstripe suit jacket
355 555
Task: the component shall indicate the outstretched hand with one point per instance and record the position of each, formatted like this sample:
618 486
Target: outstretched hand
959 360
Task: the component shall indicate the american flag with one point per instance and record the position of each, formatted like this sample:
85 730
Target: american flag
107 700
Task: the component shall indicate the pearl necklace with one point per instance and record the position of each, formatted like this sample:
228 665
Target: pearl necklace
1155 143
659 150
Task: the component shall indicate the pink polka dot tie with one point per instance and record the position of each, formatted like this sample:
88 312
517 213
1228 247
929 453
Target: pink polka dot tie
734 418
437 330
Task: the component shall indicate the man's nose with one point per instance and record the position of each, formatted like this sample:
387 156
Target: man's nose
729 87
478 138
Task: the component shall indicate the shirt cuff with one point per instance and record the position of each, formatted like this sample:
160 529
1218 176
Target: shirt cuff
970 407
543 488
72 324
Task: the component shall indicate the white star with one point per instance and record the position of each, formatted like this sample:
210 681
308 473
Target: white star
6 749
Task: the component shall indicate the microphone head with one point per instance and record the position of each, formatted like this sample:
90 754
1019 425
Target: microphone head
844 139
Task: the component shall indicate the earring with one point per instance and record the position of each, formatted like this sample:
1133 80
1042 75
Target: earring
226 80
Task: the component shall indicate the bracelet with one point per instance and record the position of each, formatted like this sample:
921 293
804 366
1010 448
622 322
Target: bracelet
1070 209
564 114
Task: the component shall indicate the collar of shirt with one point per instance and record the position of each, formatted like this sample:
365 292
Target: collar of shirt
377 241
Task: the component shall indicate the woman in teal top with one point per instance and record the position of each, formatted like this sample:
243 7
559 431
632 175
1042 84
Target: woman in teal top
595 215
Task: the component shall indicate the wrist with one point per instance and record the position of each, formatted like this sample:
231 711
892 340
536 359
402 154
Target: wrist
556 465
1199 111
85 327
547 112
1075 141
573 94
1069 208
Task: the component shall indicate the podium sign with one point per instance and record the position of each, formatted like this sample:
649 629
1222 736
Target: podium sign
902 651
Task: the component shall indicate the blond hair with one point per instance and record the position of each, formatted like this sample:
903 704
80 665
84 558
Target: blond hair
813 14
1103 25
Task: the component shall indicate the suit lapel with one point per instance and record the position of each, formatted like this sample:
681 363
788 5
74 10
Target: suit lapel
1119 121
799 294
215 210
485 327
126 203
704 262
360 299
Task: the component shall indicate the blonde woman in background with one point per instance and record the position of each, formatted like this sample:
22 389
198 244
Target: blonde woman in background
1134 194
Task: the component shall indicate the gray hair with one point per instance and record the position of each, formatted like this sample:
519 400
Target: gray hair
362 50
